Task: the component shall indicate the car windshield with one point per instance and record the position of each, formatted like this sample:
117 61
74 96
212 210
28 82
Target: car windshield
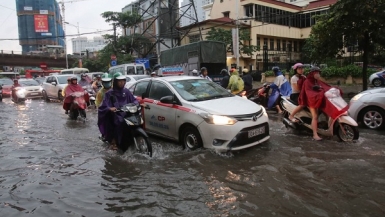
40 80
6 81
63 79
29 83
199 90
140 77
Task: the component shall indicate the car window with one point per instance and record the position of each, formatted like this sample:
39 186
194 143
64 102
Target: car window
199 90
139 70
130 70
63 79
67 72
28 83
128 79
6 81
140 88
159 90
49 80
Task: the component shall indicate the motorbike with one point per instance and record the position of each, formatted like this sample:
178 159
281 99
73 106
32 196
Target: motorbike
1 92
18 94
91 94
78 106
136 135
329 124
259 95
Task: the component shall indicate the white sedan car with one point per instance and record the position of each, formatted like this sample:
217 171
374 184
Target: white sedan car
131 79
368 107
197 112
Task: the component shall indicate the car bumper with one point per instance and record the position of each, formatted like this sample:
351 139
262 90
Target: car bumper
224 138
33 95
354 108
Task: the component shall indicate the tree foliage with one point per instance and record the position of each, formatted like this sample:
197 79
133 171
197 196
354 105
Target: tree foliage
349 23
225 36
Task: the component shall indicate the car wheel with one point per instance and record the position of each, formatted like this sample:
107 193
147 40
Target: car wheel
59 96
45 96
373 118
377 82
191 138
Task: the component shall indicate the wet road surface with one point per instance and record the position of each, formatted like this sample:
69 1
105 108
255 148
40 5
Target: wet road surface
51 166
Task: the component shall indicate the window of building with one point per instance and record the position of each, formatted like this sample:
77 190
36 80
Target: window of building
194 38
259 42
226 14
289 46
249 10
278 44
295 46
283 45
271 43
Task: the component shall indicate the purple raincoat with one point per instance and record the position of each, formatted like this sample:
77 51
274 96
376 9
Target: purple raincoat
110 123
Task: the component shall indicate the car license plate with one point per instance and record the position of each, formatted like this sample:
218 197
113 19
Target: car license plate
256 132
34 93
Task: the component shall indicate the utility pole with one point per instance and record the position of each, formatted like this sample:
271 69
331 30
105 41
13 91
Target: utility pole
237 32
158 31
114 37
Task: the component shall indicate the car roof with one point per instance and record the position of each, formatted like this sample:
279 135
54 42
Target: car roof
178 78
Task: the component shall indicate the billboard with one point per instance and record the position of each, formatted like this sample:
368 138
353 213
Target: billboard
41 23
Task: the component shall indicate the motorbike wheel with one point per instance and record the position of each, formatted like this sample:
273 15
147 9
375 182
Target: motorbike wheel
350 135
74 114
82 113
1 98
143 145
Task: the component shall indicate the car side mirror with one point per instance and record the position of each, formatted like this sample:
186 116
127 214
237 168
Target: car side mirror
168 100
53 83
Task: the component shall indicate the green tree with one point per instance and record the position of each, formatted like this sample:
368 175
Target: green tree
349 22
225 36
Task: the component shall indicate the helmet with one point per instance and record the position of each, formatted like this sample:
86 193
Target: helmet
203 69
315 69
69 79
275 69
83 75
297 65
224 72
245 70
74 78
119 76
97 76
106 77
195 71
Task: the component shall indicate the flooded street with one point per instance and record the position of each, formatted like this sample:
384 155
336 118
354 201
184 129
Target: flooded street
51 166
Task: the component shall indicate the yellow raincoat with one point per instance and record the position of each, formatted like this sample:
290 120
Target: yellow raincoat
236 84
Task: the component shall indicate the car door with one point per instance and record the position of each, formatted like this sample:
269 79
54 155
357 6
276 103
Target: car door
48 86
159 117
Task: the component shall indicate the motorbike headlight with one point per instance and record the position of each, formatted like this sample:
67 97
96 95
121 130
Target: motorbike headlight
218 119
132 109
41 89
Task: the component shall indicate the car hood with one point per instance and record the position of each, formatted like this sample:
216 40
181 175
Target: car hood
32 88
228 106
373 91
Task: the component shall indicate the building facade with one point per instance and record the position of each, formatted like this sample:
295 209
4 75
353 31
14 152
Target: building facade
81 44
277 28
297 2
40 26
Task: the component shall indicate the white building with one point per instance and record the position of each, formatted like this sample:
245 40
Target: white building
187 12
297 2
80 44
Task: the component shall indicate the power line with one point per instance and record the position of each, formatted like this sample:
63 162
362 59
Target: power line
7 7
53 37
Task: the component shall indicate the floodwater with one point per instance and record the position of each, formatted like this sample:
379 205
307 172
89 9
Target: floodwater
51 166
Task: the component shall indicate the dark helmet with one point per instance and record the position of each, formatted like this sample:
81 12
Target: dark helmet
315 69
224 72
275 69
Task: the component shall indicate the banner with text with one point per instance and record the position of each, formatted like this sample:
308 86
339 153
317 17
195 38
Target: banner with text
41 23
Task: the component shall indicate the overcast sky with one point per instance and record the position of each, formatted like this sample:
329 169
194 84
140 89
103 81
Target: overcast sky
86 13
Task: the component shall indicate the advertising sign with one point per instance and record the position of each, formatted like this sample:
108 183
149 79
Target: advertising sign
172 71
145 61
46 34
41 23
43 11
27 8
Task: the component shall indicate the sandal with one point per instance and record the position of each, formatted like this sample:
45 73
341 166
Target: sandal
113 147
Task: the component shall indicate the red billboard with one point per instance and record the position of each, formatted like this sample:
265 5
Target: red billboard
41 23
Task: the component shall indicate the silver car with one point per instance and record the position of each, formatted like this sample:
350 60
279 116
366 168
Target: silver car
54 85
131 79
31 88
368 107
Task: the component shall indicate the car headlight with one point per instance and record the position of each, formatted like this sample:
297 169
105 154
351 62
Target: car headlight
41 89
218 119
357 97
132 109
20 91
264 111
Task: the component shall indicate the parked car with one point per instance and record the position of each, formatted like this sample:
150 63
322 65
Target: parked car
7 85
32 88
53 86
368 107
131 79
198 112
377 79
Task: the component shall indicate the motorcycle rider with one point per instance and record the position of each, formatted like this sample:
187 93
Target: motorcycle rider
312 97
63 92
296 86
247 79
204 74
226 78
194 72
97 84
84 81
71 88
110 122
280 87
236 84
106 86
15 84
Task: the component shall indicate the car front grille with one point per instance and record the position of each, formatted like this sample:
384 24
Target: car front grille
247 117
242 138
